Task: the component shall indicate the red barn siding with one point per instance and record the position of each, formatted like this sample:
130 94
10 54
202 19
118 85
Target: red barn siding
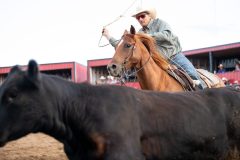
98 62
78 71
4 70
231 76
135 85
213 49
56 66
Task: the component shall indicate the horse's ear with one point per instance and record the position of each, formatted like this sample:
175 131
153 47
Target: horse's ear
125 32
132 30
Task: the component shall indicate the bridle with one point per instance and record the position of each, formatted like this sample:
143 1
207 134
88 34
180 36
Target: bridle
125 72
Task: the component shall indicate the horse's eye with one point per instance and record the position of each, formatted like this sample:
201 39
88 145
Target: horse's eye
127 45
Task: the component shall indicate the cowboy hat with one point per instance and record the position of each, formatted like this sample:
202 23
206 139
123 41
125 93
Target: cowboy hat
150 11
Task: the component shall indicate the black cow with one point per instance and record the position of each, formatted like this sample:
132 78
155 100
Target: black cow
119 123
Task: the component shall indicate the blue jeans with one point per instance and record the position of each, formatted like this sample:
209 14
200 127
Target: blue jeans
183 63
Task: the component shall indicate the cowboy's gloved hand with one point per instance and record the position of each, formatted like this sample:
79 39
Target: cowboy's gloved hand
105 33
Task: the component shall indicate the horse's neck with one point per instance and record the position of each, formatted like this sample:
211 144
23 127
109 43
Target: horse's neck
153 77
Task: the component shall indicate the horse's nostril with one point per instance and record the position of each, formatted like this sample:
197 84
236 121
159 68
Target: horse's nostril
111 67
114 66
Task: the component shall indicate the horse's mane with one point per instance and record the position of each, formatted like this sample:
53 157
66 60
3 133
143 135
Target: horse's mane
151 46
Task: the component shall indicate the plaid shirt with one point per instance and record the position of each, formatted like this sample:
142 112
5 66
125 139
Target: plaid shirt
167 42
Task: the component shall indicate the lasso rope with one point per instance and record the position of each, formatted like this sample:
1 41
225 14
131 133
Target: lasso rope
122 15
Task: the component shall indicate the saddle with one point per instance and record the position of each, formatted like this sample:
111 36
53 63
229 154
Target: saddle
209 78
183 78
188 83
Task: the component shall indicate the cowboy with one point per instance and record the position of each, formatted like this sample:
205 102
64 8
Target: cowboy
167 42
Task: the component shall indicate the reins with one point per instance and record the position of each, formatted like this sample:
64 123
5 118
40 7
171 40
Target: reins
125 71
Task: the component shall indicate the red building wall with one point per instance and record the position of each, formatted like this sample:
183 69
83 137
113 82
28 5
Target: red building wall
231 76
78 71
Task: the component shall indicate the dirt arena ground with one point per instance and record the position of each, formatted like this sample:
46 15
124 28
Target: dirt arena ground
42 147
33 147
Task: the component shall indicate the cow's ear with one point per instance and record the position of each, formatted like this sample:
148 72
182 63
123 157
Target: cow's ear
132 30
14 69
33 71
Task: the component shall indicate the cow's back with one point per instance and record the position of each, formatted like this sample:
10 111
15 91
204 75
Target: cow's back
188 125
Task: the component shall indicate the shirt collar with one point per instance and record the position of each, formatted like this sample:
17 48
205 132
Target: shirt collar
148 26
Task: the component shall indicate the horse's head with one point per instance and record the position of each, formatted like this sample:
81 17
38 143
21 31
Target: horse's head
126 55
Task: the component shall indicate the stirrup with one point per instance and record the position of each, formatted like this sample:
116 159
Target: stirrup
197 83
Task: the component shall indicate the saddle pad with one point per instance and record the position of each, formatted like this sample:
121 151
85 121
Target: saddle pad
208 77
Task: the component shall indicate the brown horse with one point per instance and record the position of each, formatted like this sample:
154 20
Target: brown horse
153 70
